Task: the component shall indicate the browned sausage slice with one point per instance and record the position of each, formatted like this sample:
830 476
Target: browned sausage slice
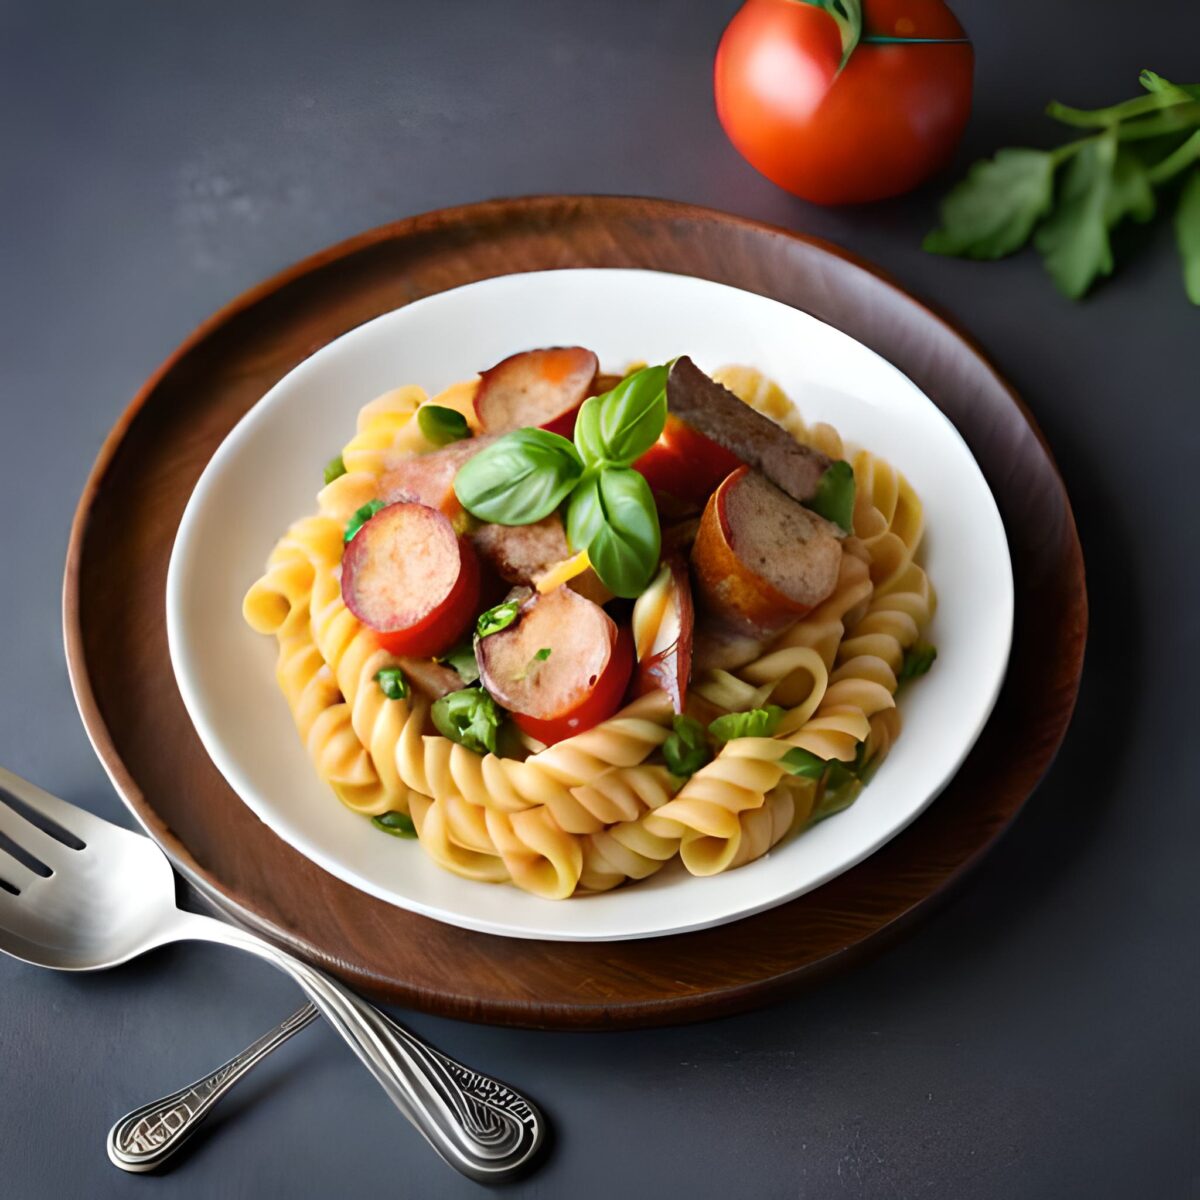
717 413
560 668
520 553
760 560
536 388
429 478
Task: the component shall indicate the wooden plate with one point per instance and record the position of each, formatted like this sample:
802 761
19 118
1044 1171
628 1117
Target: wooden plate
117 651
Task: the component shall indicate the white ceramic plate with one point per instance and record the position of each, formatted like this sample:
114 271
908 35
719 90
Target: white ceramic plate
266 473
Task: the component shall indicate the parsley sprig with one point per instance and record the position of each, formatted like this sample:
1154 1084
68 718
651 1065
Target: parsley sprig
1070 199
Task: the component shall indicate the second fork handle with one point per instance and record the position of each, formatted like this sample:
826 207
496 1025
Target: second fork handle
480 1126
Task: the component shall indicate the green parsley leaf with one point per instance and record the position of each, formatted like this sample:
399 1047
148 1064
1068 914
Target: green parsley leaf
804 763
470 717
442 425
392 683
501 616
686 748
1187 234
839 789
757 722
362 516
398 824
1073 241
335 468
992 212
918 658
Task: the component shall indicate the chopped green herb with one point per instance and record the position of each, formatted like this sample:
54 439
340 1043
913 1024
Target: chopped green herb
757 722
442 425
540 656
398 824
686 748
392 683
839 789
804 763
835 496
497 618
470 717
362 516
335 468
461 658
918 658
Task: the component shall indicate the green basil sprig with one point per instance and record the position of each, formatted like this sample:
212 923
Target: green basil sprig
520 479
470 717
756 722
611 514
362 516
398 824
442 425
620 426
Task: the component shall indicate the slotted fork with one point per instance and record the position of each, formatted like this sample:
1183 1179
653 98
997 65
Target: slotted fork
78 893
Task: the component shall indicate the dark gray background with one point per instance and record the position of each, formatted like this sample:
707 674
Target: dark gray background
1035 1039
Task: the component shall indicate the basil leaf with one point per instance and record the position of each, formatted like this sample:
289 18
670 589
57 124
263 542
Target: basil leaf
993 210
1073 240
835 496
461 658
918 658
623 424
470 717
757 722
1187 234
392 683
398 824
613 517
362 516
686 748
441 425
497 618
840 789
335 468
804 763
520 479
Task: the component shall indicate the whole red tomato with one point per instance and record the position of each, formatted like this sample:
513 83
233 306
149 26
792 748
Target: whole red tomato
840 132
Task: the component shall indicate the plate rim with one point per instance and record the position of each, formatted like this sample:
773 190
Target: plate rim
608 1014
183 651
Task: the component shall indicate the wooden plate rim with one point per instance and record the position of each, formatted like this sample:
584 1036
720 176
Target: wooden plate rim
608 1014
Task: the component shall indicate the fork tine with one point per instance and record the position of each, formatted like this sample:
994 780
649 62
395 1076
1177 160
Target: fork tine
31 839
73 820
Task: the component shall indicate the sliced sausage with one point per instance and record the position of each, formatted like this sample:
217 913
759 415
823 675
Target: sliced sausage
719 415
683 468
760 560
429 478
520 553
538 388
560 668
408 576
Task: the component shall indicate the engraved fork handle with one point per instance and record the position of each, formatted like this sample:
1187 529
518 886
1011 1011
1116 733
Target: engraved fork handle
145 1138
480 1126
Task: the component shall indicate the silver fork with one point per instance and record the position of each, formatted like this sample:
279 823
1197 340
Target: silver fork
78 893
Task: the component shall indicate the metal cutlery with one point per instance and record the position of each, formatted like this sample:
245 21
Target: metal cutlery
78 893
